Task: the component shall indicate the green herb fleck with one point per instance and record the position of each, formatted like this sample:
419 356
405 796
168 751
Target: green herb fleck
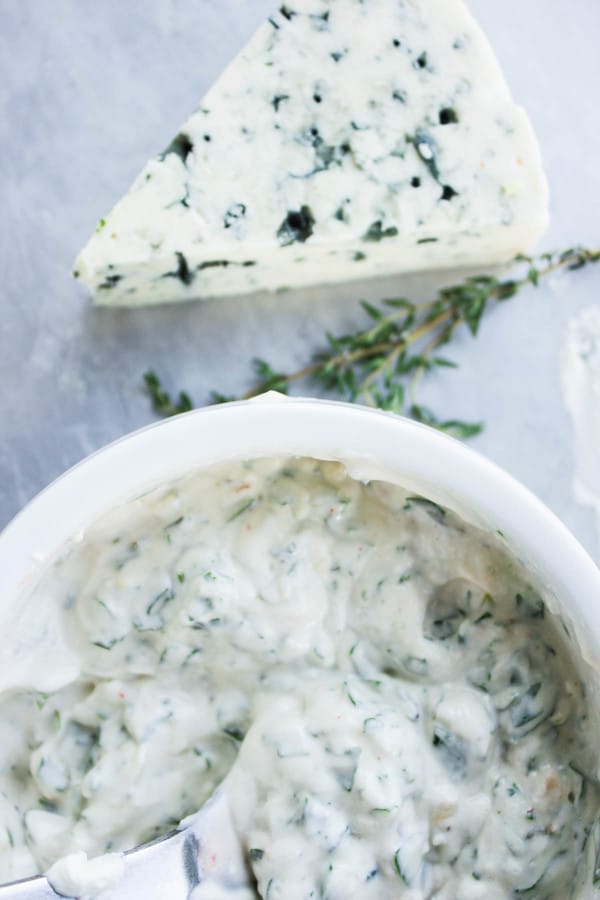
234 732
452 751
248 504
398 866
105 645
156 606
433 510
531 606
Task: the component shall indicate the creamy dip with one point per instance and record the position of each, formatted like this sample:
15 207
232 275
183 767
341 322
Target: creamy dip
396 712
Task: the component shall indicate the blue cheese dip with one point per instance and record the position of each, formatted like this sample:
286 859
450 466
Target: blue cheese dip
391 706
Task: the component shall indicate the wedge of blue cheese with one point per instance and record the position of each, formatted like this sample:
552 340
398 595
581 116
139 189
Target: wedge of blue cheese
348 139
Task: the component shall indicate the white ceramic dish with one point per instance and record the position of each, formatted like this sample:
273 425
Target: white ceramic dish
373 443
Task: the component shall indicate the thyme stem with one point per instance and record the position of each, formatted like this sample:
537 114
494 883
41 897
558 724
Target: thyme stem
436 341
376 364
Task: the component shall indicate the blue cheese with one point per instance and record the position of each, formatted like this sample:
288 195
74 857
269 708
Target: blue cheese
347 140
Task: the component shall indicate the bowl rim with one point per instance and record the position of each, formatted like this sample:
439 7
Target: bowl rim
273 425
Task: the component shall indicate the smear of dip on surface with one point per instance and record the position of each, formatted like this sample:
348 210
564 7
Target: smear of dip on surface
580 373
397 712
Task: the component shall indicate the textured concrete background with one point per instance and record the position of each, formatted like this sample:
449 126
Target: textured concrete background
89 90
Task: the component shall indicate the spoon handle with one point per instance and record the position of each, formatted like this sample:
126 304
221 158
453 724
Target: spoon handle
29 889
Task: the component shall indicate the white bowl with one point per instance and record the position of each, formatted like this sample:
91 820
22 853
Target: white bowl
373 443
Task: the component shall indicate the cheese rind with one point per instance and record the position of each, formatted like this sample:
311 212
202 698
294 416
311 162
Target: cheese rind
349 139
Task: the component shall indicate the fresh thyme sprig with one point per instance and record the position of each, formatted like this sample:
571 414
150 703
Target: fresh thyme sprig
378 364
162 403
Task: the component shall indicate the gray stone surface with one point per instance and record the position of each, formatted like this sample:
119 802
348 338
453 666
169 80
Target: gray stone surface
89 90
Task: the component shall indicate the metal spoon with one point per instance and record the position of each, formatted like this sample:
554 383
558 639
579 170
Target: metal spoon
203 857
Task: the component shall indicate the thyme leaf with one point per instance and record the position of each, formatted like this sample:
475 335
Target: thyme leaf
381 364
453 427
162 402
